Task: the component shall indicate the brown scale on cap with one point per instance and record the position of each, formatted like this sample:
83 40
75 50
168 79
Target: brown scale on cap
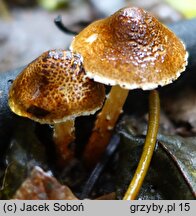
128 50
53 88
131 48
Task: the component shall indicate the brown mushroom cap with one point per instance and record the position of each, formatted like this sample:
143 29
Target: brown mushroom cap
131 48
54 88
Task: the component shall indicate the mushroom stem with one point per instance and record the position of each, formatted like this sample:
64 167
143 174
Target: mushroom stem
104 125
64 135
149 145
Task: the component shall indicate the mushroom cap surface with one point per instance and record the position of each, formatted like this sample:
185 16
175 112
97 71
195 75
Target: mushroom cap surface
131 48
54 88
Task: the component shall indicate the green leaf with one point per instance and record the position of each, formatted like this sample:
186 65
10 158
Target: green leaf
53 4
188 7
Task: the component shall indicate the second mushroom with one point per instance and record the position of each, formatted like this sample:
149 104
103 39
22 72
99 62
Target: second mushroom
53 89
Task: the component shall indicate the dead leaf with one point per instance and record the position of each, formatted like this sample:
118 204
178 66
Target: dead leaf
181 107
42 185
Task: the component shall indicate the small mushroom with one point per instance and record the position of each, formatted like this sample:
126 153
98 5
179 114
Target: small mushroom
130 49
54 89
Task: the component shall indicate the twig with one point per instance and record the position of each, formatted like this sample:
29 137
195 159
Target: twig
58 22
100 166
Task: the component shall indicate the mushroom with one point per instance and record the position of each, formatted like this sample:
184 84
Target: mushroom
130 49
54 89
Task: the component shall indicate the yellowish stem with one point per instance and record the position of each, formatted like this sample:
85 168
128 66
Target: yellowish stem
64 135
104 125
149 145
